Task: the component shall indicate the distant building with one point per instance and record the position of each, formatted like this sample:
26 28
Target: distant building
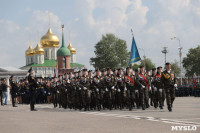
43 58
6 72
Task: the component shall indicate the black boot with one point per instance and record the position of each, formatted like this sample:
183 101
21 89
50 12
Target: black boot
143 107
169 108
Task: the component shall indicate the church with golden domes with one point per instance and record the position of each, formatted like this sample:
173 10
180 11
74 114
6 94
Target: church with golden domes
43 58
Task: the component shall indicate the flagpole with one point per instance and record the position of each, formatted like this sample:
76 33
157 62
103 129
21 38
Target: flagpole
130 65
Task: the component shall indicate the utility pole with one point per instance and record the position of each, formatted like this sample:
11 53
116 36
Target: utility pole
164 51
180 55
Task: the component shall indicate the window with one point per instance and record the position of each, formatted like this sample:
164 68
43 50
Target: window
64 62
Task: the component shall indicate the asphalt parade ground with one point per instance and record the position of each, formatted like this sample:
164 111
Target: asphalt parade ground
185 117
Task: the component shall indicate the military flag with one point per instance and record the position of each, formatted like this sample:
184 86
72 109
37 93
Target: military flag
135 56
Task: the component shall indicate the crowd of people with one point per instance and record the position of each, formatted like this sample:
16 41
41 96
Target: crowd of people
99 90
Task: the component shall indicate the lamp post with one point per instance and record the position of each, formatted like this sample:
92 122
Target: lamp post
164 51
180 55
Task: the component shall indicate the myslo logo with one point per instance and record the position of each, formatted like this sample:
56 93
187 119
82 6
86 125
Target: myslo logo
183 128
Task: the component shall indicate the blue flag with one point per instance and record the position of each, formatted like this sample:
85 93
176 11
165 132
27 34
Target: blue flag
135 56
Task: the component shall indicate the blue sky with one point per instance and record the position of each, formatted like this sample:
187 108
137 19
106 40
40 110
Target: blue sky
153 22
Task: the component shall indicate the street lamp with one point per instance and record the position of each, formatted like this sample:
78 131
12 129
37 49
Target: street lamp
180 55
164 51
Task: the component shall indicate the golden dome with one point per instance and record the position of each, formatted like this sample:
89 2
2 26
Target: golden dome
49 39
38 49
29 51
71 48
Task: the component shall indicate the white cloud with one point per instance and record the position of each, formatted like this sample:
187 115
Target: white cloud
153 27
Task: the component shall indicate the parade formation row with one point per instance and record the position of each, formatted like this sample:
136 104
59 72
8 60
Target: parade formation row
106 89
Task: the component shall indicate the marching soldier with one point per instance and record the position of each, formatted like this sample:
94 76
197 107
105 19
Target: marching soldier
159 87
130 82
32 87
90 89
142 84
14 90
103 89
153 91
85 86
79 102
120 89
137 88
169 81
110 85
97 89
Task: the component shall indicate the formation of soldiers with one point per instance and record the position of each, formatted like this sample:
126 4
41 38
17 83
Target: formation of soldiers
114 89
105 89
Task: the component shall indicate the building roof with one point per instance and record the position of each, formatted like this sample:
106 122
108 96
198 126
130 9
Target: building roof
51 63
6 71
9 68
63 50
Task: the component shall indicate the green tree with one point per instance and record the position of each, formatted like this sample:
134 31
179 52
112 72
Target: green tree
175 67
110 52
135 66
147 63
192 61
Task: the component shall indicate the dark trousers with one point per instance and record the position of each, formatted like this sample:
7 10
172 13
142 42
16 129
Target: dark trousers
13 99
32 100
1 98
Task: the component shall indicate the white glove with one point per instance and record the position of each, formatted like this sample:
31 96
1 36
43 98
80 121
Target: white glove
125 89
175 85
79 88
84 88
155 88
136 91
150 88
143 86
118 90
65 90
97 90
160 90
58 92
113 87
106 89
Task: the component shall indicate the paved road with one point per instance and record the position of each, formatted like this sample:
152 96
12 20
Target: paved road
186 112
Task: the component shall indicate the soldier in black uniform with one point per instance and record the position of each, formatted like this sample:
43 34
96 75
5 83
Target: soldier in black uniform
97 89
142 83
159 87
110 85
90 89
84 87
153 91
13 90
169 81
103 89
120 89
79 102
70 90
54 91
136 90
130 82
32 87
